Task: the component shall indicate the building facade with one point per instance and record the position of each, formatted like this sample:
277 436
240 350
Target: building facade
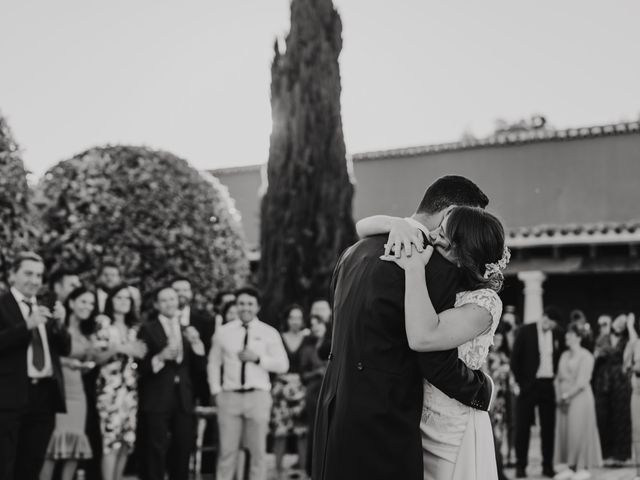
569 200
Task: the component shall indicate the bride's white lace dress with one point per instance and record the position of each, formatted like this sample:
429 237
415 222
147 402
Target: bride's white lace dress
458 440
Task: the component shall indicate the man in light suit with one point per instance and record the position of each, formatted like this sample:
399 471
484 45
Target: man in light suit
32 339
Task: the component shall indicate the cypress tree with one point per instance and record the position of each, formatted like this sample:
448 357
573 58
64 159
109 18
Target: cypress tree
306 211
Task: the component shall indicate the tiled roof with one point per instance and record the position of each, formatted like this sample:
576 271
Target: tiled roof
575 234
507 138
229 170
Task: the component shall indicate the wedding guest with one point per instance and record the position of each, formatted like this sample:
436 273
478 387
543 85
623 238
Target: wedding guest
173 358
32 340
116 387
600 380
69 442
580 318
635 396
499 370
534 361
288 393
205 325
312 368
63 282
201 321
321 307
613 395
229 313
577 439
248 350
222 299
109 277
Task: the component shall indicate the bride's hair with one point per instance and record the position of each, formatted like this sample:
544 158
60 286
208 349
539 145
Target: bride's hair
477 239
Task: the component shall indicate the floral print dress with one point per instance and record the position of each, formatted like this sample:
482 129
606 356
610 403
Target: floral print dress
117 392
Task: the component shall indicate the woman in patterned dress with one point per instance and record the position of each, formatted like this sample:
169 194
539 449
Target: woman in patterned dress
457 440
116 389
288 392
69 443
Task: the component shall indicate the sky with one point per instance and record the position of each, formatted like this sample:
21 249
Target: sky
193 76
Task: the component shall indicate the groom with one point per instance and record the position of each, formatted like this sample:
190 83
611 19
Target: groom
368 417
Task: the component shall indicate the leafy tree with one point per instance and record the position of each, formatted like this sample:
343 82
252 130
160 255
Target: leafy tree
306 211
147 210
15 231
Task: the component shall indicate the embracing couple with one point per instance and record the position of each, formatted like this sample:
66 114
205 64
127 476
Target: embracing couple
403 396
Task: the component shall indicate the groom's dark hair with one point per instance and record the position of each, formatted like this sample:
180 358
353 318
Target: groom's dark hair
451 190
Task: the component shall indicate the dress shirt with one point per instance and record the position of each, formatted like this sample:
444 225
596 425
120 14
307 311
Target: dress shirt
228 341
545 346
32 371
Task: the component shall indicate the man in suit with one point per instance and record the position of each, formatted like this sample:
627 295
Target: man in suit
369 409
32 339
175 356
205 325
534 363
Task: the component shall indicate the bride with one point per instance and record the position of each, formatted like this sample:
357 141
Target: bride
457 440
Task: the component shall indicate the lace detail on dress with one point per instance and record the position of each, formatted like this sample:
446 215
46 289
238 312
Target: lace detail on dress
475 352
444 419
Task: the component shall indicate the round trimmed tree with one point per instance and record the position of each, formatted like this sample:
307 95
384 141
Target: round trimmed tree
148 211
15 231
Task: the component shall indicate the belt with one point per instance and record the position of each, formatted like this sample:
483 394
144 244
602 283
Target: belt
40 381
244 390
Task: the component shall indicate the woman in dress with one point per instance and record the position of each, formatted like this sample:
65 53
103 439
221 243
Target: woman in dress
634 353
229 313
577 440
457 440
288 393
612 388
69 443
312 368
498 368
116 389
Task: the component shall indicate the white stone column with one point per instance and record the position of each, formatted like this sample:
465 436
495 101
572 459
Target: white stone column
533 306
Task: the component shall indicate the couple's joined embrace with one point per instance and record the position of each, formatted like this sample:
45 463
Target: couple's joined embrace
403 396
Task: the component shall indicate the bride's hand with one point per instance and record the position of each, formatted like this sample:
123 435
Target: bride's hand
403 234
419 260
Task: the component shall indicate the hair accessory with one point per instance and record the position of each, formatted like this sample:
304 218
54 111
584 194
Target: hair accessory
500 265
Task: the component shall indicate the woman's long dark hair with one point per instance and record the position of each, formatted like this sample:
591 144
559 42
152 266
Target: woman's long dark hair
89 326
477 238
130 318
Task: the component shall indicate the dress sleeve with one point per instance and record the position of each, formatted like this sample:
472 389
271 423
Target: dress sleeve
487 299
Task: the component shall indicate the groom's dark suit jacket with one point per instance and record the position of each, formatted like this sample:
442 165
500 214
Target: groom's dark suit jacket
368 417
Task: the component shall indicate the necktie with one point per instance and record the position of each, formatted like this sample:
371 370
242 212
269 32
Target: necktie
37 346
243 372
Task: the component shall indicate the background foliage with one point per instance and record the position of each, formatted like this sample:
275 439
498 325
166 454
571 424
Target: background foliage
15 231
306 212
147 210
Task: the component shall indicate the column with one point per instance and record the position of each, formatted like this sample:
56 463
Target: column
533 306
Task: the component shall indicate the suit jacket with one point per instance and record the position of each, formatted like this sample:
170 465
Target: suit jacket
156 390
370 404
205 325
14 342
525 357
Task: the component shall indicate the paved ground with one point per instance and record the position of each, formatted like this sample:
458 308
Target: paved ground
534 469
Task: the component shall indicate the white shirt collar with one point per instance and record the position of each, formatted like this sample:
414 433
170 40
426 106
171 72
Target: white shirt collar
20 297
